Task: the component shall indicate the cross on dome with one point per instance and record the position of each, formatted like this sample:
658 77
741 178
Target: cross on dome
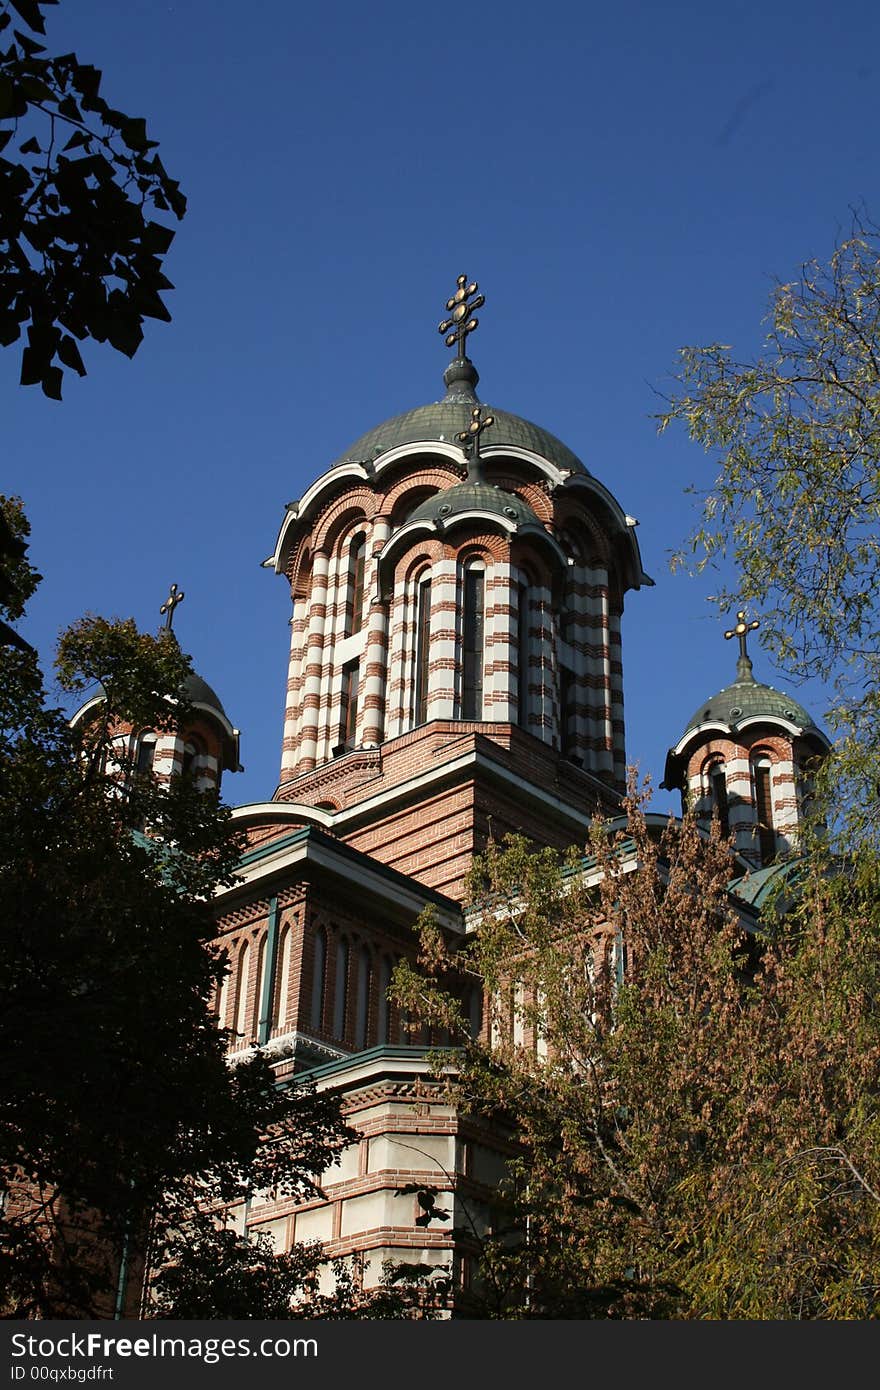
460 310
171 602
742 628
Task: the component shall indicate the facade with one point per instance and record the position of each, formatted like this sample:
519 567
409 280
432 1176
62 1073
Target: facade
457 580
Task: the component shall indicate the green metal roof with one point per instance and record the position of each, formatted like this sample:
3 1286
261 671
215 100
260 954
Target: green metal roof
749 699
474 496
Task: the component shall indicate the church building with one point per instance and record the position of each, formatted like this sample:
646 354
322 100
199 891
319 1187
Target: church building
457 580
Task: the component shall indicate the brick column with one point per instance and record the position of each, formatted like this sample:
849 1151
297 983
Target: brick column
313 666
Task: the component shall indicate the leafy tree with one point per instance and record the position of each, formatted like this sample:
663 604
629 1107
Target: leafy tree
796 499
118 1111
79 181
212 1272
697 1106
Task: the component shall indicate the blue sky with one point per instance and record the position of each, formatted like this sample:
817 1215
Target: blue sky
620 180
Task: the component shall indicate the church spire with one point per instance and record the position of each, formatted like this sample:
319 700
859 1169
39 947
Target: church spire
461 376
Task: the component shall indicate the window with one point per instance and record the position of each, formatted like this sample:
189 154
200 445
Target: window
350 681
319 973
241 989
566 710
718 790
357 559
282 984
363 999
191 750
145 753
341 1004
423 649
764 809
522 657
384 1030
473 624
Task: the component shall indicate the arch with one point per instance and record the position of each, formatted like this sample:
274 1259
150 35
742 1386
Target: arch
319 978
340 1002
193 749
145 751
221 998
354 601
345 513
242 981
716 786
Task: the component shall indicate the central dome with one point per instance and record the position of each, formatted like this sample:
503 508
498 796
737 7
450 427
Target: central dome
443 420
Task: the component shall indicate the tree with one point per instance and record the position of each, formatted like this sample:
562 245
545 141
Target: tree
118 1111
80 254
696 1104
796 499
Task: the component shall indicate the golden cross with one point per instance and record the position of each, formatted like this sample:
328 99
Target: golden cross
471 436
171 602
742 627
460 310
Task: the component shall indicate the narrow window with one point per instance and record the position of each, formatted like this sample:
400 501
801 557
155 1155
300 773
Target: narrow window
718 783
522 656
363 999
384 1031
146 753
241 989
319 972
357 559
423 649
764 810
566 710
472 645
279 1013
341 1005
191 751
350 681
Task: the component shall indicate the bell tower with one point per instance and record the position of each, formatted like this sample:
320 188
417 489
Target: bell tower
458 580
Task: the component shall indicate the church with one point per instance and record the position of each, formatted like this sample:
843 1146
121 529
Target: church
457 579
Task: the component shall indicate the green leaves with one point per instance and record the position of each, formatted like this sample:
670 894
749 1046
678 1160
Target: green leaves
84 255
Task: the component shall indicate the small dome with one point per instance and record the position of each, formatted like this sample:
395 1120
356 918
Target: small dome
748 699
473 496
199 692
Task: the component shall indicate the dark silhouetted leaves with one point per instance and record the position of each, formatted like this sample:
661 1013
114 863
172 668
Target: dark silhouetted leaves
80 252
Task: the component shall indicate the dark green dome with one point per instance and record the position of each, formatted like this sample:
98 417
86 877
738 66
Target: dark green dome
748 699
474 496
198 692
443 420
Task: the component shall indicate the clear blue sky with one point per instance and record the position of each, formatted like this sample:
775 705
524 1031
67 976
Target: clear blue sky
621 180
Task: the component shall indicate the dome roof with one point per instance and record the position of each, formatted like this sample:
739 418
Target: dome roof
749 699
199 692
473 496
443 420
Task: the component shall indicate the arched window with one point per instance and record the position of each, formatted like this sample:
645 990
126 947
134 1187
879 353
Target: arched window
241 989
384 1028
319 978
718 791
192 750
357 560
523 656
764 809
145 753
261 986
340 1009
222 997
363 998
423 647
472 641
350 683
282 983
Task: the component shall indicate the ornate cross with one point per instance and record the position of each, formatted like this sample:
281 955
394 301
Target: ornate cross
168 607
460 310
742 627
470 437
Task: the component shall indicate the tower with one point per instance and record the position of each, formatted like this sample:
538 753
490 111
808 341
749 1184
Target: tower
747 754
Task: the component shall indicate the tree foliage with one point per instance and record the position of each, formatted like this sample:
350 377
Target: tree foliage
79 181
697 1107
796 500
118 1111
